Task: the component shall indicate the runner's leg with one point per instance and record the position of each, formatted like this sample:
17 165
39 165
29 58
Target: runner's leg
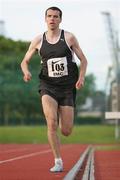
66 114
50 109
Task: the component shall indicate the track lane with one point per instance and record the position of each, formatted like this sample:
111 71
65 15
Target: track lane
107 164
21 150
37 167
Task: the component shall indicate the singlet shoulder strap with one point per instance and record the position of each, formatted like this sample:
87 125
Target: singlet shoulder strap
62 34
44 36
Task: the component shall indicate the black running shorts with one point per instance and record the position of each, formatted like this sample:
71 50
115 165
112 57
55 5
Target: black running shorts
63 97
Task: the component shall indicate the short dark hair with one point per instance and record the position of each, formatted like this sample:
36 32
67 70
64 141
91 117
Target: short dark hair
54 9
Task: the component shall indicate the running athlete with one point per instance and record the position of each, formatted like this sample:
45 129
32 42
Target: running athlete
59 78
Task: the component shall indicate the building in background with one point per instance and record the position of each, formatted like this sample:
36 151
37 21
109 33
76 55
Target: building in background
94 106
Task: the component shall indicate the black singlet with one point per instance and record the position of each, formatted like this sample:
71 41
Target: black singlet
58 66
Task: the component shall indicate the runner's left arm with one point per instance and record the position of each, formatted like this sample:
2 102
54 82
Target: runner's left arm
79 53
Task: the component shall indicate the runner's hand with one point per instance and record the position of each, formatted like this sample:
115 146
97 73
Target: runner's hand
80 83
27 76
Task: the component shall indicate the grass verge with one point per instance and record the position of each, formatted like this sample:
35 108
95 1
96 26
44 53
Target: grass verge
83 134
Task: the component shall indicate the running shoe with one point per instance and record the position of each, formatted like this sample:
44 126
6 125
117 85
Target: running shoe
57 168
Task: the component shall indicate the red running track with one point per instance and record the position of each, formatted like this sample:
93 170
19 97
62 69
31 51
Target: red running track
107 165
32 162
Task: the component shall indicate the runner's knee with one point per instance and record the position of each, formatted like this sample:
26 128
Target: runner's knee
66 131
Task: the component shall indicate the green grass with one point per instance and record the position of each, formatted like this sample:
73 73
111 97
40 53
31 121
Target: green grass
92 134
83 134
23 134
108 147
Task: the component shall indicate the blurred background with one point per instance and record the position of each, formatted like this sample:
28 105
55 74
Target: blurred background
95 23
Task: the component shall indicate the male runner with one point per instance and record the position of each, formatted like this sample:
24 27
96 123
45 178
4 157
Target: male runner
59 78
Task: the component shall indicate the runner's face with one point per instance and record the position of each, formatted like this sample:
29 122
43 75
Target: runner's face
53 19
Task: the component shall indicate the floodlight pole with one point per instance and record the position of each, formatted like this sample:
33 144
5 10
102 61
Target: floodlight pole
115 84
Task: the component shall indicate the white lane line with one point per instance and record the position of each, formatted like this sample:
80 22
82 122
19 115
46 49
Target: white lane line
25 156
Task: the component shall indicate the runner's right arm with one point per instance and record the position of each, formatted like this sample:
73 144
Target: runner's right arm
30 52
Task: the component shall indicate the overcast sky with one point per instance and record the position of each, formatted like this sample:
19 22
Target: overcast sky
24 19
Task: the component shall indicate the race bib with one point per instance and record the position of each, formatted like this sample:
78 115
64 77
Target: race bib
57 67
